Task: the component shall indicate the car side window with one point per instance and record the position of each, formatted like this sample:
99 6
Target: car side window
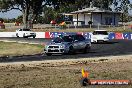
76 37
20 30
94 33
100 33
81 38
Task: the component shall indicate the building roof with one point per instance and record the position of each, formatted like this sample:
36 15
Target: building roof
93 10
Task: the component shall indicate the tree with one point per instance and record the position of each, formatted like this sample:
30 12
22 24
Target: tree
1 20
49 14
19 19
30 8
123 6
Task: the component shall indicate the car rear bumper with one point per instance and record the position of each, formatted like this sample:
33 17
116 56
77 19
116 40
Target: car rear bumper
100 40
29 35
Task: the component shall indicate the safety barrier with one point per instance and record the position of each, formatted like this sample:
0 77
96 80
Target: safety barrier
87 35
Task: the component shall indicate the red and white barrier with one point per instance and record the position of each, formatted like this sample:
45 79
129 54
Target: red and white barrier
112 35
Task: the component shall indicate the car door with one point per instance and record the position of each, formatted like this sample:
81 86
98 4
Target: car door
81 41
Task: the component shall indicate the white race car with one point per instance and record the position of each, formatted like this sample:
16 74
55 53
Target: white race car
99 36
25 33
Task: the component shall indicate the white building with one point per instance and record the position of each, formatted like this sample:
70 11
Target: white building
96 15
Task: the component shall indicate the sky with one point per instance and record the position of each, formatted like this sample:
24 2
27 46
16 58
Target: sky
10 14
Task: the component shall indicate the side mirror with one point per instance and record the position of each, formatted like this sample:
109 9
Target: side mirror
75 40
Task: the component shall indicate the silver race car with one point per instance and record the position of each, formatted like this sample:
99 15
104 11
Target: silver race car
67 44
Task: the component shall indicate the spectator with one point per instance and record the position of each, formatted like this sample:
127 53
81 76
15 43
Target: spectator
2 26
53 22
62 25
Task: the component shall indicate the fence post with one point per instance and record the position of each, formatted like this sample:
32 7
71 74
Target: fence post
68 26
98 26
55 26
75 26
124 27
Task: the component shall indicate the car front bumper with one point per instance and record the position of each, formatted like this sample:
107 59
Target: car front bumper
55 51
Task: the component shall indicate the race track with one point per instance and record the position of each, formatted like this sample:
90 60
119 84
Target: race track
112 48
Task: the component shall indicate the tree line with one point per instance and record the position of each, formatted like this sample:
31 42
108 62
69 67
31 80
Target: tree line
51 9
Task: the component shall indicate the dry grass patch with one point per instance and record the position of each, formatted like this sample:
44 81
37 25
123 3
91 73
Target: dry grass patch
110 29
15 49
41 76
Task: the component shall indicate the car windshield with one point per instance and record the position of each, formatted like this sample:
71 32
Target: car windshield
63 39
67 39
26 30
100 33
58 40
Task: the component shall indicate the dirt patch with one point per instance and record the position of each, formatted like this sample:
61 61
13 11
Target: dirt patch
64 73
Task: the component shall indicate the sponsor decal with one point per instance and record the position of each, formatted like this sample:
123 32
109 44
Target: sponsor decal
47 35
131 35
118 36
127 36
112 35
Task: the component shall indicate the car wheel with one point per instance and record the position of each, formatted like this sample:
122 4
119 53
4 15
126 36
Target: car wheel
86 49
33 36
48 54
17 35
24 35
71 50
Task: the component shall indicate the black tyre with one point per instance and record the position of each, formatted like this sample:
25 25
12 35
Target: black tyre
34 36
86 49
48 54
71 50
17 35
84 82
24 35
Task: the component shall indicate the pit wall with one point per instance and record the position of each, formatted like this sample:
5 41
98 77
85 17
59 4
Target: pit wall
87 35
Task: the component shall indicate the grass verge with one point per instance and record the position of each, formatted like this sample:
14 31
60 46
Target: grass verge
109 29
16 49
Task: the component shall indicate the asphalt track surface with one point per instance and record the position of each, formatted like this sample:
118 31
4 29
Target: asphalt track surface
112 48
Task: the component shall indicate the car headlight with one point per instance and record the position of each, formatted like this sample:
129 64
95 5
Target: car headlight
94 38
46 46
62 46
106 38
